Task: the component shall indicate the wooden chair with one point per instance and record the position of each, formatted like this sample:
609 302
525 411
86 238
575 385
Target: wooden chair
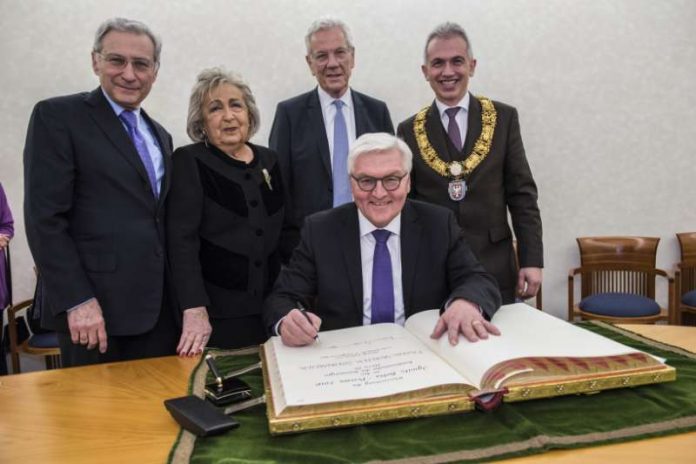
617 281
685 281
537 298
45 344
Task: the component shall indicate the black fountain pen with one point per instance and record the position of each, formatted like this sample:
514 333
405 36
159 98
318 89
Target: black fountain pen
303 310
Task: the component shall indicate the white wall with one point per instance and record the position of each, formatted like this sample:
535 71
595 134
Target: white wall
605 91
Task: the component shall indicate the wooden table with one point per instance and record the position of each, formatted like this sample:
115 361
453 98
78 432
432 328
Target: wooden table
113 413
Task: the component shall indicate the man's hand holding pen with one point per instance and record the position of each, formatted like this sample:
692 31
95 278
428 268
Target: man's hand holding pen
299 327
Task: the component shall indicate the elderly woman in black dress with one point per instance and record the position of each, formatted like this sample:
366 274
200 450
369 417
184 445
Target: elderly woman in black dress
225 215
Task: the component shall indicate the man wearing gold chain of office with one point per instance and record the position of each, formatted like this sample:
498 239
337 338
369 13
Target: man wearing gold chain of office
469 157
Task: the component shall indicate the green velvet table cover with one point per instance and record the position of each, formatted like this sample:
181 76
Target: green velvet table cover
514 429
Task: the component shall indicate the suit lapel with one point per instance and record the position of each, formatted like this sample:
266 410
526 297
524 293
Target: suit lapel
316 121
411 232
436 133
350 238
106 119
473 125
362 118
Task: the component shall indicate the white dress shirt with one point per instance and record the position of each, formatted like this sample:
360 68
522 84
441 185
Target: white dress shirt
461 118
367 253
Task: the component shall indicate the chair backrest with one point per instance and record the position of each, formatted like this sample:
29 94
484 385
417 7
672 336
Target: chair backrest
687 266
687 243
618 264
51 353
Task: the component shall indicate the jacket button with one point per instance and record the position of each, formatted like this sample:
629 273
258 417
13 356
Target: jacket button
253 203
257 263
259 232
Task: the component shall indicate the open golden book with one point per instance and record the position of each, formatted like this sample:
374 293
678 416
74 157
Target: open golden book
386 372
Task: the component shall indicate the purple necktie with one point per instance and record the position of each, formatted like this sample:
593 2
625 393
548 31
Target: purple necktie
453 128
382 283
130 119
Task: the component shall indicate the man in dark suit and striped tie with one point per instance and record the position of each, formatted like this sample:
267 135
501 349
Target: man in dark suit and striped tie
469 158
97 171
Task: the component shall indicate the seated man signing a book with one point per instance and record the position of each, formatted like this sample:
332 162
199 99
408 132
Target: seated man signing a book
380 259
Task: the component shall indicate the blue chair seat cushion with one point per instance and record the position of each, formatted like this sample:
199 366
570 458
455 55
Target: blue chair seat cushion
689 298
619 305
44 340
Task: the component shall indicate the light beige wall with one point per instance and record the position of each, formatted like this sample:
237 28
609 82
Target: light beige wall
605 91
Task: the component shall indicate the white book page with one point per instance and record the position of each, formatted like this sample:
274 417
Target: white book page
525 332
357 363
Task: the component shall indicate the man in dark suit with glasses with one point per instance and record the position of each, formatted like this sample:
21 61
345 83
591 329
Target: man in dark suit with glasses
97 172
381 259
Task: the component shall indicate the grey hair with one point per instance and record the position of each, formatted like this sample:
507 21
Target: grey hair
207 81
446 31
126 25
380 141
327 22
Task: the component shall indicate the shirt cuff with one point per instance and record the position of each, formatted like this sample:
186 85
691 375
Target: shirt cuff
78 305
276 327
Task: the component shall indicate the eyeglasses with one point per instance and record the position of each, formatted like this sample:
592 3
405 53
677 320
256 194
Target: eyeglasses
119 63
322 57
368 184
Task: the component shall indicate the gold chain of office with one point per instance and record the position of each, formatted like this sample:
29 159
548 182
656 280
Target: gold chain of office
482 147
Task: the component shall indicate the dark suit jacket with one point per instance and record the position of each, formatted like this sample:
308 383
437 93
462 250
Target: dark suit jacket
437 264
93 224
299 137
502 182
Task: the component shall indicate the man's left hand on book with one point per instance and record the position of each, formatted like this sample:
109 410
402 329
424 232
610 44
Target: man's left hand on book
463 317
298 328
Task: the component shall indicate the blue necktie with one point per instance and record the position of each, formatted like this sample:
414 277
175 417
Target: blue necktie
453 128
129 118
382 280
339 171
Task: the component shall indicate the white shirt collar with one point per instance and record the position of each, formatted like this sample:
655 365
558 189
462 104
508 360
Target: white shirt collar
118 109
327 100
463 103
366 227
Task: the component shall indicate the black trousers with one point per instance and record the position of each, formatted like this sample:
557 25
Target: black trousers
161 340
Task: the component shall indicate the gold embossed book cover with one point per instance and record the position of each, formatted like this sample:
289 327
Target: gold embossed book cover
387 372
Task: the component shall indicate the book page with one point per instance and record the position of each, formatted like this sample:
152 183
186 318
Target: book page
525 332
356 363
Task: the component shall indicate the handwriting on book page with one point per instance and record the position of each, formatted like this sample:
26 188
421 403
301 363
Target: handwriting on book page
367 363
360 363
